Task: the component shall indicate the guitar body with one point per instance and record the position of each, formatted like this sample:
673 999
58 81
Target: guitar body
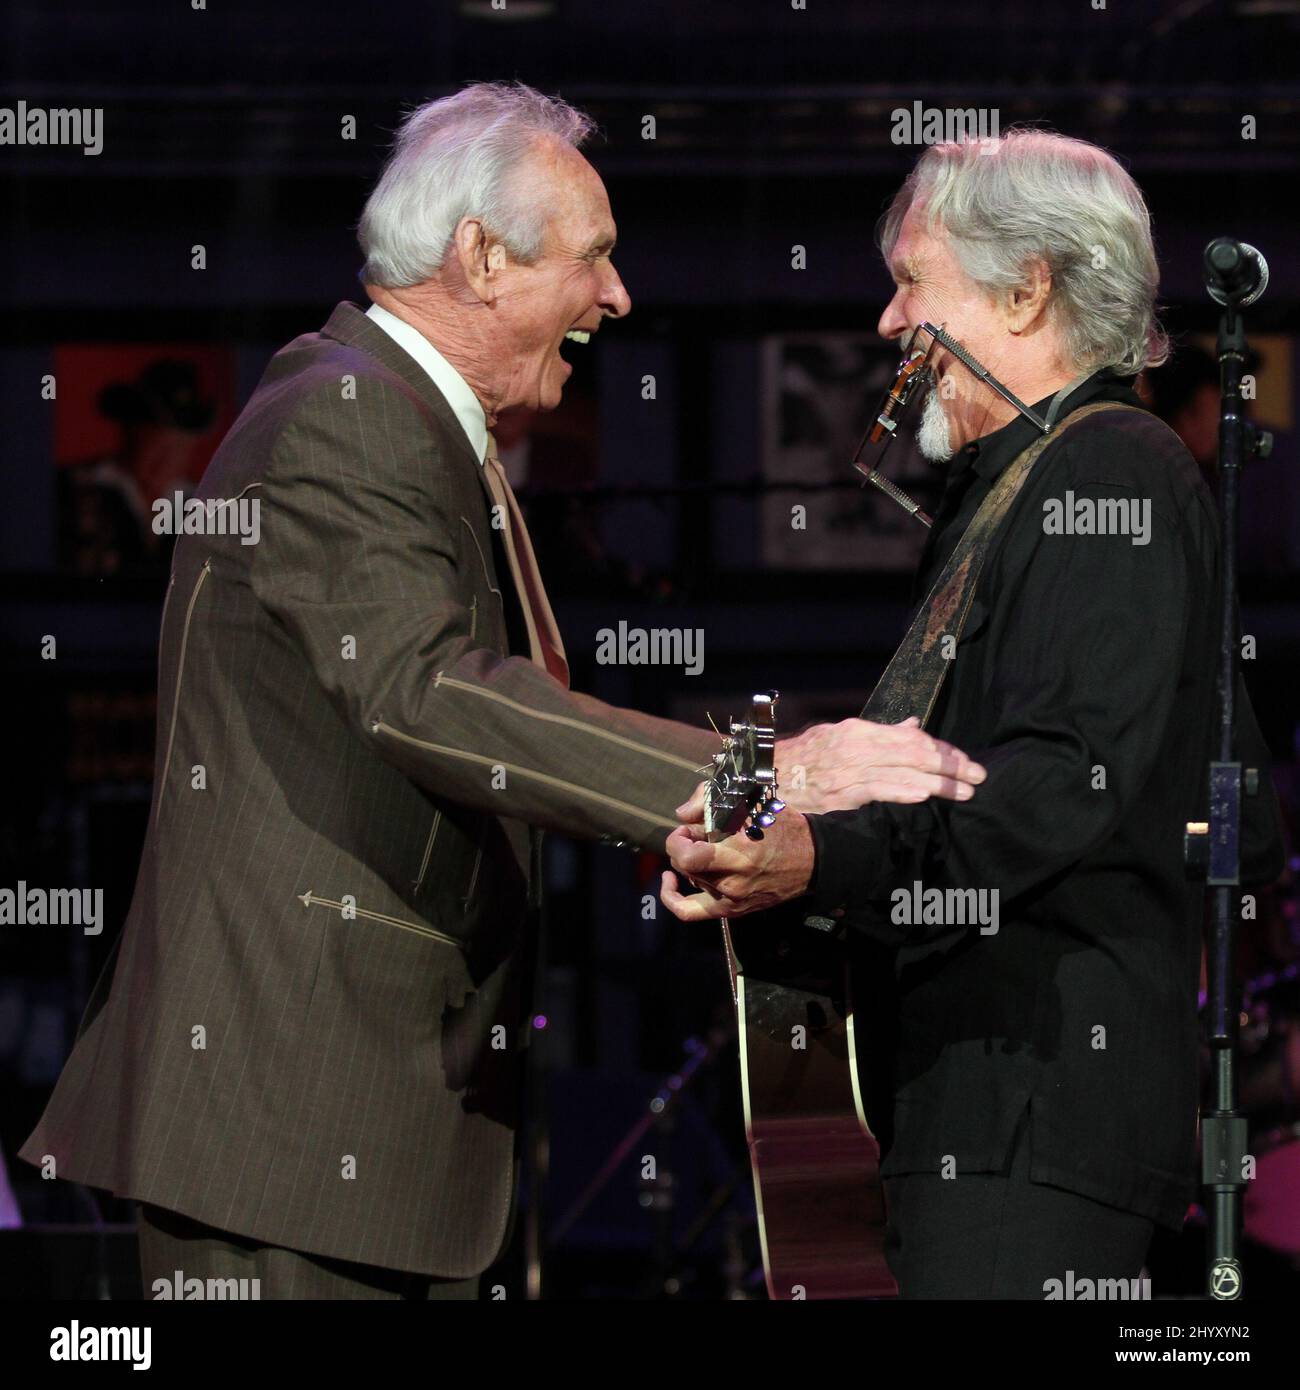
815 1161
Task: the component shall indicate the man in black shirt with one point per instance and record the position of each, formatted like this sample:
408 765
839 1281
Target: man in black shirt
1046 1069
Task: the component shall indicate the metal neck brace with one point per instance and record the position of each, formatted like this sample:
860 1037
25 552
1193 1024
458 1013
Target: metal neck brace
915 372
983 374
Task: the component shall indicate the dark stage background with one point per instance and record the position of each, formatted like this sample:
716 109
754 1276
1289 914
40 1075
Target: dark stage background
229 128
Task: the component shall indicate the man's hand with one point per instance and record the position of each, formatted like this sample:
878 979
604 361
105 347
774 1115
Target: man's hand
839 767
738 875
854 762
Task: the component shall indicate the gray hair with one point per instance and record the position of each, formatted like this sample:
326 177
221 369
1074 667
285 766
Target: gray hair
457 157
1035 195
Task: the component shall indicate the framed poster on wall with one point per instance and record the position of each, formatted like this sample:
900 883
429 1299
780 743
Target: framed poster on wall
819 392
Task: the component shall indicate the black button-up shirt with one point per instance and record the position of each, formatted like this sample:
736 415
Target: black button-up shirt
1084 681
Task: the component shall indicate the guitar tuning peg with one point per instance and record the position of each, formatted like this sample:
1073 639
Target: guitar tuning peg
776 805
765 818
753 832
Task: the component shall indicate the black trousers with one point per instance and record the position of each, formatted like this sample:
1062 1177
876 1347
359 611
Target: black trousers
171 1242
998 1235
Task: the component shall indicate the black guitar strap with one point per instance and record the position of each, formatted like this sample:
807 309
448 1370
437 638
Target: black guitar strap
914 677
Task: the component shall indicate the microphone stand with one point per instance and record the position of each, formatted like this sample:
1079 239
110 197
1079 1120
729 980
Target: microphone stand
1214 847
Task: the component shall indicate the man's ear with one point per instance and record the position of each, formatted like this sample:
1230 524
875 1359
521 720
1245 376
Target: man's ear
481 259
1025 304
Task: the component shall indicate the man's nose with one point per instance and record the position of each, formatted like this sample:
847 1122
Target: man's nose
893 322
614 298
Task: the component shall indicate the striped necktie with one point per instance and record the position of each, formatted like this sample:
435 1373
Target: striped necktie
545 644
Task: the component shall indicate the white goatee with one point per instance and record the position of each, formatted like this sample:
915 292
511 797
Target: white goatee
933 437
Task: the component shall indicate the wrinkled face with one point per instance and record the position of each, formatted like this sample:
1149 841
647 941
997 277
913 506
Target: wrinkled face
572 286
932 287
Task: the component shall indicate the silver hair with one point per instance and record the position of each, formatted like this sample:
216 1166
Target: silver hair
457 157
1035 195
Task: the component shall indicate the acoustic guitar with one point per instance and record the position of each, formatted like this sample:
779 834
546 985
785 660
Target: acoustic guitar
815 1160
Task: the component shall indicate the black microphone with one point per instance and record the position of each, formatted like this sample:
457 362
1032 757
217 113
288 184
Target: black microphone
1234 272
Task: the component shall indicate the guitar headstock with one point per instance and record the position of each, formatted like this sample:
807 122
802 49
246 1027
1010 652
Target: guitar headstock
743 785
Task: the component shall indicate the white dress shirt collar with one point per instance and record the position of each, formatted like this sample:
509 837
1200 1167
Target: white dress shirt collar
463 401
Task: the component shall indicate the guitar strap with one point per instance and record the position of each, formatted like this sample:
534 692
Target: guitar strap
914 677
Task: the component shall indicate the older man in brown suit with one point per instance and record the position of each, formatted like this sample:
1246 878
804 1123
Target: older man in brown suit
304 1057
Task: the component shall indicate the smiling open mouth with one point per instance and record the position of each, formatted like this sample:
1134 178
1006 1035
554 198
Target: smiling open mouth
578 335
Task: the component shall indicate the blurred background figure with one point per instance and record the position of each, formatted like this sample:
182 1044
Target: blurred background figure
106 503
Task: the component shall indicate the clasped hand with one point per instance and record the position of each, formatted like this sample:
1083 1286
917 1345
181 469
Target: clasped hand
829 767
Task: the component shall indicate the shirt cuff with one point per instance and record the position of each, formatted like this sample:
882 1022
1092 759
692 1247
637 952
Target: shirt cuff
849 859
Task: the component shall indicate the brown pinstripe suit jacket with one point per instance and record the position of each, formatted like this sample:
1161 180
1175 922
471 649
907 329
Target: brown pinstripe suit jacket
310 1032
